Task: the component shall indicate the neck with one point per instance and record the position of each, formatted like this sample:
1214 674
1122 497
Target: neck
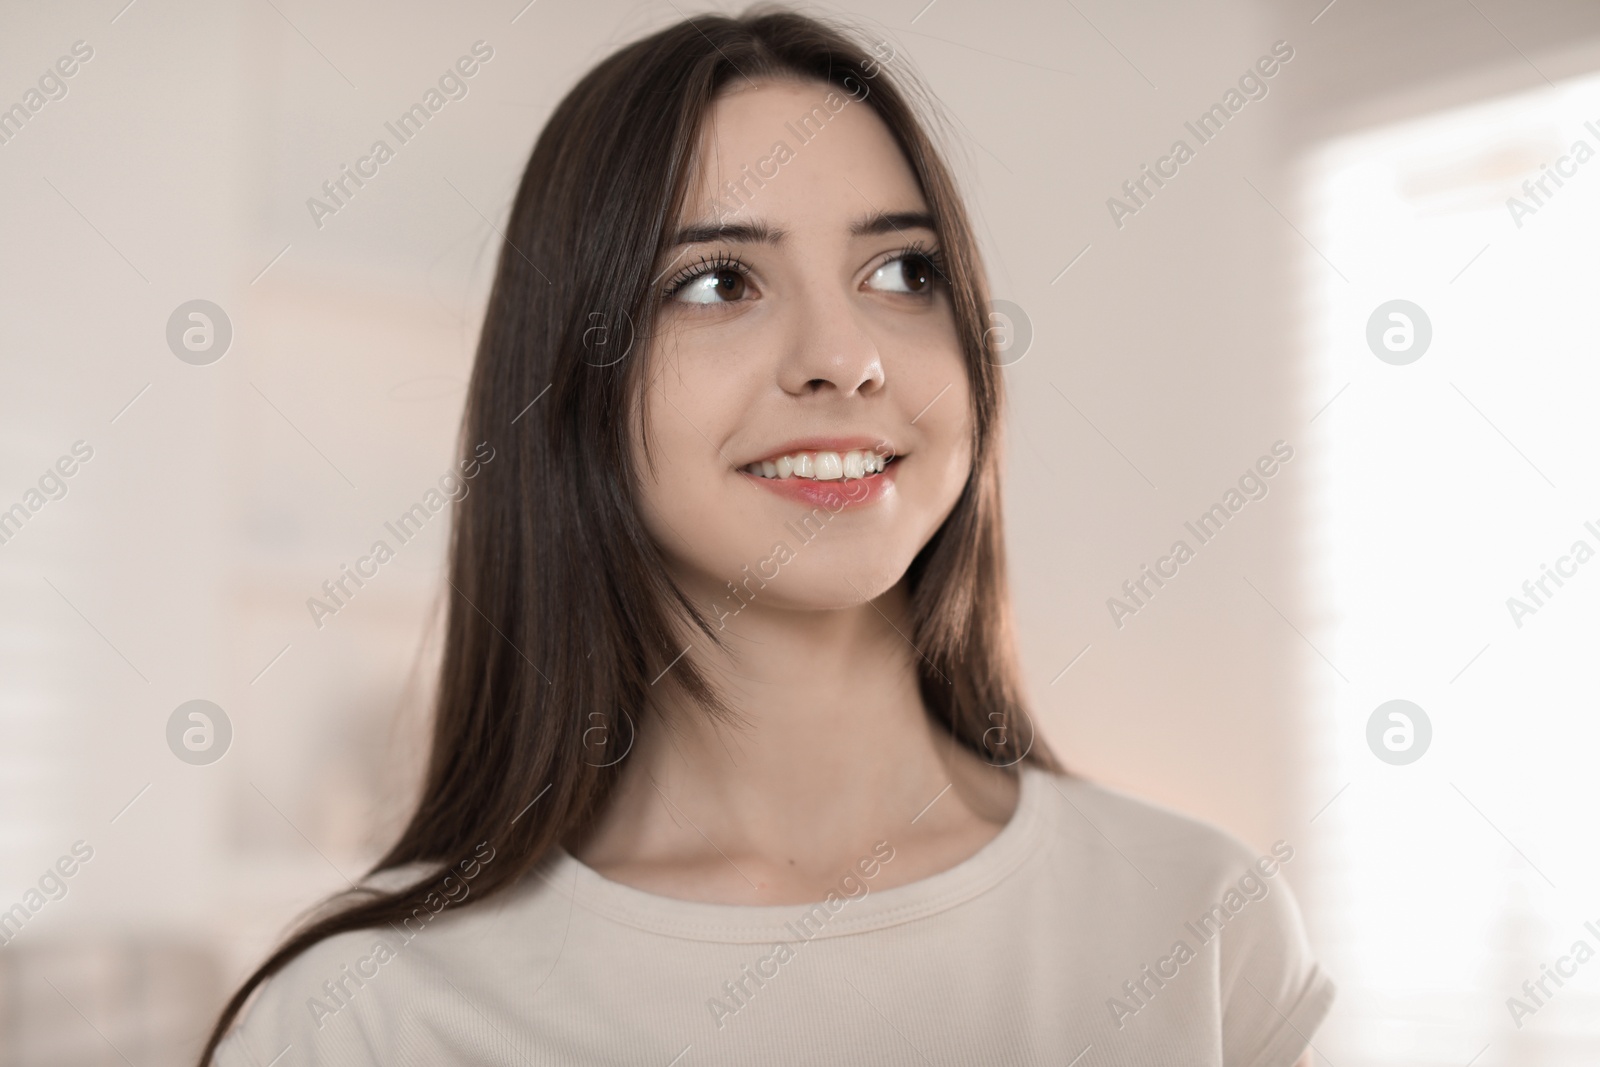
832 751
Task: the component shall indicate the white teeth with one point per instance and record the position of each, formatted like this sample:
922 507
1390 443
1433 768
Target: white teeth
821 466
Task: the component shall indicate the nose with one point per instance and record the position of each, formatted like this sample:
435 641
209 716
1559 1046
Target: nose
829 348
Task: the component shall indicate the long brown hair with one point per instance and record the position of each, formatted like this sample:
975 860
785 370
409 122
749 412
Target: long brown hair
562 614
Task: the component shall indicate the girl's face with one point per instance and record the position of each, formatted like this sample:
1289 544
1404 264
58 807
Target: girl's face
808 404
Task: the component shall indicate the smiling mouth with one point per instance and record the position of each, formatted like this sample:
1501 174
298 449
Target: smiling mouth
821 466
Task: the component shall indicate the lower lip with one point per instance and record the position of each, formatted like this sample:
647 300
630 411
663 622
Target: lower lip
833 495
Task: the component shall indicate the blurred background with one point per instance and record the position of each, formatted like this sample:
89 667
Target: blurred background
223 467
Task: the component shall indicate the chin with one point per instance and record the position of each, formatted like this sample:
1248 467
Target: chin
771 550
791 574
834 584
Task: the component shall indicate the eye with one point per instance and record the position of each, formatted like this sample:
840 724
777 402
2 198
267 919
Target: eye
913 271
717 281
712 287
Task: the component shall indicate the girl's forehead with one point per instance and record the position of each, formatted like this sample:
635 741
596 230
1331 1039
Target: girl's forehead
799 150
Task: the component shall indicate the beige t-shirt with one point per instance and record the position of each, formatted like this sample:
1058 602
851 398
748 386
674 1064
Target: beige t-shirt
1093 930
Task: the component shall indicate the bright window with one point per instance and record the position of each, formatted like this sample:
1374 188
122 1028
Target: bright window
1444 485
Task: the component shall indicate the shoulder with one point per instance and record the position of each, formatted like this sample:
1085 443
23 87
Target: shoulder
1166 849
1153 871
384 995
313 1011
1168 887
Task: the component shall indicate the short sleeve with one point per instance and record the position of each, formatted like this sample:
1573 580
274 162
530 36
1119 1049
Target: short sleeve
299 1019
1274 995
317 1011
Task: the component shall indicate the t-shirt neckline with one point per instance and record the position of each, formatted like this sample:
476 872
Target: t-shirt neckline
771 923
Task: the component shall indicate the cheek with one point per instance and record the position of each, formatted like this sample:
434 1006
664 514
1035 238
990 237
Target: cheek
944 455
711 525
943 427
687 499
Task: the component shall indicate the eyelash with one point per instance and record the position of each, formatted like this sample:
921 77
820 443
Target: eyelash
724 261
703 266
934 257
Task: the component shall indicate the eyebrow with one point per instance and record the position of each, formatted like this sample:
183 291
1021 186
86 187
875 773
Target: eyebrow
873 225
756 233
880 222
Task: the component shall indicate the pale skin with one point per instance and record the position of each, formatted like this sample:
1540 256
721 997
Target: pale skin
823 334
824 337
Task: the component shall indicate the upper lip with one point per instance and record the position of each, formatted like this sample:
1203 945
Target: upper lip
858 443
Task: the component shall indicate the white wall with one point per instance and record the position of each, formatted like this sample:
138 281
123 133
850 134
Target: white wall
223 497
